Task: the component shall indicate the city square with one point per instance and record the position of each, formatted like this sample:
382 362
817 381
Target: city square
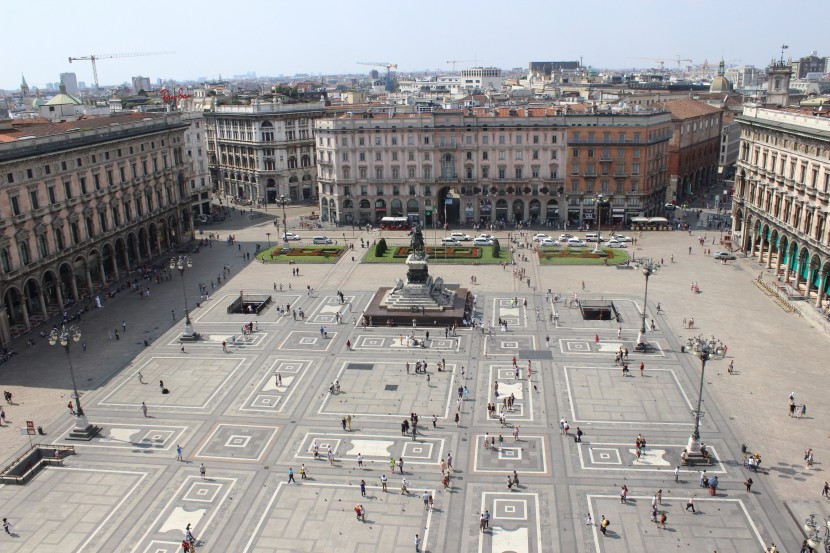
263 404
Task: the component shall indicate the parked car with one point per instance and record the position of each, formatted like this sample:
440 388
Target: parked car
321 240
481 241
592 237
450 241
549 242
290 236
576 243
615 244
488 236
620 238
460 236
540 237
565 237
725 255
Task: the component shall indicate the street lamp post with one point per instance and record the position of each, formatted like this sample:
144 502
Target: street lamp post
181 263
647 272
597 249
284 221
268 234
66 336
704 349
814 537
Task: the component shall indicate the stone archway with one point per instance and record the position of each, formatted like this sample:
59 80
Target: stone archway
518 211
17 311
51 292
35 303
535 211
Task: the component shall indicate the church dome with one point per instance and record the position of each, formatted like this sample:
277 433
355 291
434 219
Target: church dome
720 84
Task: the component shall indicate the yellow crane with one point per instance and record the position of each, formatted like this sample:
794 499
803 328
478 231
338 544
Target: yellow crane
453 62
94 57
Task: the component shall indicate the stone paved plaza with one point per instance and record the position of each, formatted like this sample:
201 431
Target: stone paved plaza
251 413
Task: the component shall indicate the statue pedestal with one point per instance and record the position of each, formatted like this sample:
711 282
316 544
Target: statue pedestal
420 292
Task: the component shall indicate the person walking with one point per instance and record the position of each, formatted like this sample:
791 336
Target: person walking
7 526
363 487
825 491
179 453
383 481
748 483
642 367
202 471
603 525
663 518
144 408
691 504
124 326
303 472
417 544
291 476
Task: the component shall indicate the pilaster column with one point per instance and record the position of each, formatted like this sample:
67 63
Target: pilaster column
821 289
42 300
74 283
5 331
59 297
25 310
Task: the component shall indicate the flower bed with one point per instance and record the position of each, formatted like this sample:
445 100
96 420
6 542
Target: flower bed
580 256
449 252
301 254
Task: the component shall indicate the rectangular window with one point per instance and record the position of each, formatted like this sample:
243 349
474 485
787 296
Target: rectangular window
485 139
67 190
122 173
535 138
411 189
590 153
535 154
15 205
501 139
345 156
47 169
377 141
377 156
362 172
485 156
411 172
518 172
53 199
109 177
34 200
9 178
485 172
502 172
394 156
426 140
502 155
379 173
518 139
427 172
519 154
362 156
394 141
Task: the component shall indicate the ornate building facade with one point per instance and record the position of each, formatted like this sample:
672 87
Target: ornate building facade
506 165
261 151
782 196
83 203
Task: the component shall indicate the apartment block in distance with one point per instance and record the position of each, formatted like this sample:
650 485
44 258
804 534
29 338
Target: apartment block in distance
492 166
83 203
262 151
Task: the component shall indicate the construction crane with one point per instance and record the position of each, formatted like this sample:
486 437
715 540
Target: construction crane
390 86
453 62
660 61
679 59
94 57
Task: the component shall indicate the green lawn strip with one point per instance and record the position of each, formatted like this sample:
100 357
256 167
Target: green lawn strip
314 254
438 258
581 256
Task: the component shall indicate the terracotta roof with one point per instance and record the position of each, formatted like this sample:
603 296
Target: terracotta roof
687 108
41 127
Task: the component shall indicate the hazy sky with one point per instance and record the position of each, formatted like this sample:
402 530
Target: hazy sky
321 36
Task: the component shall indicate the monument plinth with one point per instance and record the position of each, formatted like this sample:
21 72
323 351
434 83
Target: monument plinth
421 297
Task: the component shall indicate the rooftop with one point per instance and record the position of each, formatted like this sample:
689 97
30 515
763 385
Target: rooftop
687 108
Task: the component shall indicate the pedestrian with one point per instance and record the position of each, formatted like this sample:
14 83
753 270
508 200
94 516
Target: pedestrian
303 472
179 453
144 408
642 367
7 526
202 471
392 464
291 476
803 412
825 491
449 462
363 488
349 348
417 544
748 483
515 479
691 504
603 525
596 339
425 497
677 473
349 422
383 482
516 434
71 407
663 518
360 460
434 421
124 326
400 464
457 419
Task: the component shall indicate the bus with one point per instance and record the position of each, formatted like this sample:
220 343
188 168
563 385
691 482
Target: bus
395 223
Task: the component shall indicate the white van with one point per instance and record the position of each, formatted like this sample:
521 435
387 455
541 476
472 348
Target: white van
321 240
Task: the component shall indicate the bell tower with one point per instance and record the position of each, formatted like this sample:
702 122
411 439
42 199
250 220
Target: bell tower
778 85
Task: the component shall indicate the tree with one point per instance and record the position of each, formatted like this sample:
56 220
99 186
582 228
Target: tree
496 247
380 248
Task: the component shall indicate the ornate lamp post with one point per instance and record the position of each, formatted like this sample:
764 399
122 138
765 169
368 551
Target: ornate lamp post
597 249
814 537
268 234
181 263
704 349
283 201
66 336
647 272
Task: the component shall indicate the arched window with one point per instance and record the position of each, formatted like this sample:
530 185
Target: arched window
5 260
23 248
90 228
42 246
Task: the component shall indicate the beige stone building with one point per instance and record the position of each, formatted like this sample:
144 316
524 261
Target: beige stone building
782 196
261 151
83 203
480 166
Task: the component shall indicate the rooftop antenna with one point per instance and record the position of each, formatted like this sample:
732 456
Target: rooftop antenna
783 47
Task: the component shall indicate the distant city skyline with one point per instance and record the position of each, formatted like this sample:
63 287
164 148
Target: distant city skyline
331 37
